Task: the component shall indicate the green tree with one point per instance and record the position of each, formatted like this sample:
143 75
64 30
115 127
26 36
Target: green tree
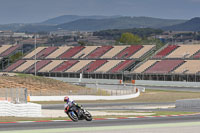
129 38
15 57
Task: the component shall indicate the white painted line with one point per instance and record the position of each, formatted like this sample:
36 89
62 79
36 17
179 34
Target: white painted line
111 118
58 120
131 117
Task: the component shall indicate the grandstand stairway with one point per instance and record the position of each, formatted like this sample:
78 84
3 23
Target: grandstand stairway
122 66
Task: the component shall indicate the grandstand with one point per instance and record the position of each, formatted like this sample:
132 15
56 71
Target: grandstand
91 52
6 51
172 62
81 59
70 66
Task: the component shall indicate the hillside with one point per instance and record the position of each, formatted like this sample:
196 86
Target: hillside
97 24
70 18
42 86
190 25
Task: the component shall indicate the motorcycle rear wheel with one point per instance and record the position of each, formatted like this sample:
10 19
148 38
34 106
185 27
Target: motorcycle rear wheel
72 116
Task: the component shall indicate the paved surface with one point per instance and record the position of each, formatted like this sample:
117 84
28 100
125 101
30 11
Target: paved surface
127 106
95 105
150 125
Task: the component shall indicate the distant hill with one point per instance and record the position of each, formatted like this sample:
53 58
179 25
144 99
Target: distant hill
190 25
95 24
70 18
118 23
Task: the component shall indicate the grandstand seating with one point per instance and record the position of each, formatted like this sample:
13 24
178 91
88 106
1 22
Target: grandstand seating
93 65
166 51
184 51
73 59
164 66
24 66
197 55
99 52
113 52
71 52
83 53
58 52
10 50
39 65
3 48
45 52
189 67
142 51
129 51
15 65
108 66
65 65
78 66
122 66
144 66
36 51
51 66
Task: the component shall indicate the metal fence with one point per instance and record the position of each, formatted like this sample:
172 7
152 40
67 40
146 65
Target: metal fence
14 95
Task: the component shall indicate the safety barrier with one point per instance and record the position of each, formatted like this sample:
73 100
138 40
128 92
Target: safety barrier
20 110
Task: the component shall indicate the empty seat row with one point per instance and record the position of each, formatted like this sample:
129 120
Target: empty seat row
7 50
98 66
90 52
179 51
169 66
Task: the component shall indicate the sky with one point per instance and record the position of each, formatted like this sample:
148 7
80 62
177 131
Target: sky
31 11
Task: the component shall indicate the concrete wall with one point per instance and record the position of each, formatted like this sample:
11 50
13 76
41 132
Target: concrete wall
79 97
20 110
188 103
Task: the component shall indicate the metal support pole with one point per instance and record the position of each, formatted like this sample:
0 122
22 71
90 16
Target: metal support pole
35 55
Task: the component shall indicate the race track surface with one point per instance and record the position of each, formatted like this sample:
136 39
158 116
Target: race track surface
104 126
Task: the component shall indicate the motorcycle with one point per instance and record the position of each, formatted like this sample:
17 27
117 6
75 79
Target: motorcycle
76 113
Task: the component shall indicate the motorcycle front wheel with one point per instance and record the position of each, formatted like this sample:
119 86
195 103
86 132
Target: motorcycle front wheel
88 116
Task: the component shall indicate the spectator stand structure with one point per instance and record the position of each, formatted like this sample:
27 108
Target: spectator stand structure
6 51
92 61
171 63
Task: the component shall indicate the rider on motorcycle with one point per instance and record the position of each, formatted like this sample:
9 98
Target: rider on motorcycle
69 104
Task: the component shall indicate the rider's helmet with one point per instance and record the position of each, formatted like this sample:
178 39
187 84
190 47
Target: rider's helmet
66 99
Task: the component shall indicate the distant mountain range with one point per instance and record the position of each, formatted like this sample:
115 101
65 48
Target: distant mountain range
70 18
190 25
93 23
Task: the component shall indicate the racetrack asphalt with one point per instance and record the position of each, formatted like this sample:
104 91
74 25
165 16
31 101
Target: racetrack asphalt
118 106
99 125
